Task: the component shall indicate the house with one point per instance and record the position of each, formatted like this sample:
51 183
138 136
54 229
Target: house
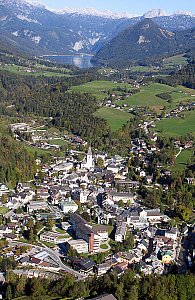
172 233
117 196
121 231
102 268
37 205
112 168
85 265
102 231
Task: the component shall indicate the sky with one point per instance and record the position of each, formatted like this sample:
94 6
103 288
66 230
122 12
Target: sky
129 6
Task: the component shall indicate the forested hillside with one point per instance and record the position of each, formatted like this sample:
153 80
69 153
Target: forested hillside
185 76
16 163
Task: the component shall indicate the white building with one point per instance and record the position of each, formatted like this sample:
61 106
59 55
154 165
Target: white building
88 162
54 237
68 206
79 245
121 231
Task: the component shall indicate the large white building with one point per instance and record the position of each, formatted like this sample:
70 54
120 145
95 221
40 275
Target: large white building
68 206
79 245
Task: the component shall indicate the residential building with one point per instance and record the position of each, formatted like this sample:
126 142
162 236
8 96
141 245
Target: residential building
121 231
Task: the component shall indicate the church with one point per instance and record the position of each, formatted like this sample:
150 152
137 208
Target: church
88 162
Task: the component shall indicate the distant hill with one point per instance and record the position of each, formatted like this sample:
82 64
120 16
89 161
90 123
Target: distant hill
144 42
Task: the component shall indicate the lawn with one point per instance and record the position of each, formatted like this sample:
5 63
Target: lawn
60 230
3 210
183 159
147 97
104 246
177 126
99 88
59 142
114 117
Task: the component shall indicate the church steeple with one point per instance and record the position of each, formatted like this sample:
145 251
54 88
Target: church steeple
89 158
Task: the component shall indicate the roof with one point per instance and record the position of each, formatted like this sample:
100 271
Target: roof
86 264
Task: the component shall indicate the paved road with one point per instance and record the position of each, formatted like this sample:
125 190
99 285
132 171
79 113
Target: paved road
56 257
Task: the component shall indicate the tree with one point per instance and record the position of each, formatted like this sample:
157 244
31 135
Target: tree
121 203
50 223
8 294
86 216
100 163
4 199
120 291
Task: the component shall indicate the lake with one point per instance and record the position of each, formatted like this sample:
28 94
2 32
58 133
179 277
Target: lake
80 61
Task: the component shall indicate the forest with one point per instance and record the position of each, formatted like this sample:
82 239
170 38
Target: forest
16 163
129 286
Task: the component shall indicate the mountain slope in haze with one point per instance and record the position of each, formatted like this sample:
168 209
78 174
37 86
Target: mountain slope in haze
142 42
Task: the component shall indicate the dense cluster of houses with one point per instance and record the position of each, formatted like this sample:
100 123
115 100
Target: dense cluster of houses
75 189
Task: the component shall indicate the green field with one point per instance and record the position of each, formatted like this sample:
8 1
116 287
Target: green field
59 142
146 69
177 126
37 150
147 97
174 61
99 88
183 159
39 71
114 117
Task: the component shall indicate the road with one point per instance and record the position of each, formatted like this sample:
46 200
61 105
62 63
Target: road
56 257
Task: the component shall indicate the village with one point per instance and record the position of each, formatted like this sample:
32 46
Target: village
83 215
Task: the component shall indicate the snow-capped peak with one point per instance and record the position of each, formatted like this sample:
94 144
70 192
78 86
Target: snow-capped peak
186 13
94 12
155 13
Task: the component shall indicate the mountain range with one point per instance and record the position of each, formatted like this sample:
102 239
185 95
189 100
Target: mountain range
35 29
144 42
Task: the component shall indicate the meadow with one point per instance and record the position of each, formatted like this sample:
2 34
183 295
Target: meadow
40 71
174 127
115 118
148 97
173 61
99 88
183 159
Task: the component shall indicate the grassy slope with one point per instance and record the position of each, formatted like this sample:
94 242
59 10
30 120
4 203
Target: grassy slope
147 96
114 117
177 126
183 159
99 88
21 71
